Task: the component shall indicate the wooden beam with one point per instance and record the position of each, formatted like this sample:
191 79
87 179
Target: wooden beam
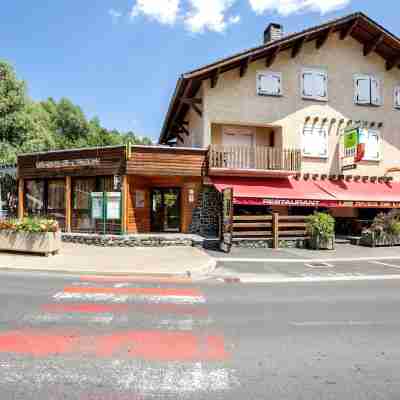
390 64
182 129
214 78
323 38
197 110
124 205
21 195
275 230
68 204
272 57
179 138
244 66
191 100
298 46
185 123
373 44
348 30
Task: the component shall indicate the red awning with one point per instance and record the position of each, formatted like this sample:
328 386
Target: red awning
361 191
270 191
312 193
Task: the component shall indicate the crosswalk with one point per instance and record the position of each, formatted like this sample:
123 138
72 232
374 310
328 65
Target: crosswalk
136 337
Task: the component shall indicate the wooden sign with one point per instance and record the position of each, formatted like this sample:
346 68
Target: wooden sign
83 162
227 220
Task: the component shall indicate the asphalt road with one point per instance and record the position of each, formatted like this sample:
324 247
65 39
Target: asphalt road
76 338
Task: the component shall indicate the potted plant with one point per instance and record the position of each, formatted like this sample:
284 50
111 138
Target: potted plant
321 230
384 230
33 235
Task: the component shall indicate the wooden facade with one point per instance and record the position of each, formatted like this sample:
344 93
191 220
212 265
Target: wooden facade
138 171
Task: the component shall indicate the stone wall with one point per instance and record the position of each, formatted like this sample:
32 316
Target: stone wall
206 215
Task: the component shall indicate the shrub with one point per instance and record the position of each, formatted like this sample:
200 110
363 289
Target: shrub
320 225
386 225
30 224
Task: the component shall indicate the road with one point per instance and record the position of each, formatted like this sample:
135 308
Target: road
64 337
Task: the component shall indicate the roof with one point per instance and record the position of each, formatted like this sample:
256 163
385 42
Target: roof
358 25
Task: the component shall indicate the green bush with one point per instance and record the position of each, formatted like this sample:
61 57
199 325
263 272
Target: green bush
320 225
30 224
386 225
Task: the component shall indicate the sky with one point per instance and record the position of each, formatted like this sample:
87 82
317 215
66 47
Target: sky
120 59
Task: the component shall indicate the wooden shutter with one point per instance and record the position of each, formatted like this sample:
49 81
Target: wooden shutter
308 84
321 85
307 140
269 84
376 95
315 141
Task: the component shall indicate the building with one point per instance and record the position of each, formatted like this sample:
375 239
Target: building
302 122
274 119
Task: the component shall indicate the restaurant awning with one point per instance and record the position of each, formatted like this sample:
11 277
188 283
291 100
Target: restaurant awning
311 193
270 191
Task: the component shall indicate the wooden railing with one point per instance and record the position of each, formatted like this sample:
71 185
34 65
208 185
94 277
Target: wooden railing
273 227
254 157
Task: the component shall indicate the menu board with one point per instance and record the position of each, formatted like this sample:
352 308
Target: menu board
97 205
113 205
139 199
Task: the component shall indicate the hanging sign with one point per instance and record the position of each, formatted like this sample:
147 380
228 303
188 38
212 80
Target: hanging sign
113 205
227 221
351 146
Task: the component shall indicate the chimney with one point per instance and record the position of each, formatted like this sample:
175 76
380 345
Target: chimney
273 32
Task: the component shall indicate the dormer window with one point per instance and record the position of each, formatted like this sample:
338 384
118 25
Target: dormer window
314 84
269 83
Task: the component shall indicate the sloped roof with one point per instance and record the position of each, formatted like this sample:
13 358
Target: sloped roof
362 28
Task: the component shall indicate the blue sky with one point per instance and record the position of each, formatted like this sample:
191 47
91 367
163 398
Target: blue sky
119 59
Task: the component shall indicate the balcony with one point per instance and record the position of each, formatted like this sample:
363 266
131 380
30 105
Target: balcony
253 161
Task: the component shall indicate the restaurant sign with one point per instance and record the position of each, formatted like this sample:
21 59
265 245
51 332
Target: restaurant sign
82 162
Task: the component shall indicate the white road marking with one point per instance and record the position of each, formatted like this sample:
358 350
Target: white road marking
116 298
319 266
104 319
303 261
385 264
344 323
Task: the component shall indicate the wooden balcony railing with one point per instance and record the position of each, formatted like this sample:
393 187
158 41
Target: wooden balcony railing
254 157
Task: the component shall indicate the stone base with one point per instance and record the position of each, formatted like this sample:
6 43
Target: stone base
267 243
133 240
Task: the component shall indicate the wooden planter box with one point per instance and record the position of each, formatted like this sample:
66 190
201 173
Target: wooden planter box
42 243
315 243
369 239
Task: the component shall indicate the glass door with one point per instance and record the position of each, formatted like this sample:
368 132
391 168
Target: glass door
165 210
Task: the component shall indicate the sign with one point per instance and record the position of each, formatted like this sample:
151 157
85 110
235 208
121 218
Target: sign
351 139
227 220
191 195
83 162
97 205
139 198
117 182
113 205
349 167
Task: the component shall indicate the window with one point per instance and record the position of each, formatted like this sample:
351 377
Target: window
269 83
315 141
314 84
396 96
371 139
367 90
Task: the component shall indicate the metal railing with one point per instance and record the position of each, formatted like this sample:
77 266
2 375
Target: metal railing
254 157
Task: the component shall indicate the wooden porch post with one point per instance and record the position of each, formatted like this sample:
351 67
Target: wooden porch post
68 205
21 205
275 230
124 205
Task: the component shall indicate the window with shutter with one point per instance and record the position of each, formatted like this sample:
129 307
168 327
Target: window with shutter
367 90
269 83
396 97
371 139
314 84
315 141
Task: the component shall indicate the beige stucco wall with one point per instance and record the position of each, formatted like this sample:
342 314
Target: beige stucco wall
234 101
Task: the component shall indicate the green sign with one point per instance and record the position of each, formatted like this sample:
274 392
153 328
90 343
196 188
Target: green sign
351 139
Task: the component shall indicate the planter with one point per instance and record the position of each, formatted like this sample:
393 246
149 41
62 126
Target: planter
43 243
371 240
317 243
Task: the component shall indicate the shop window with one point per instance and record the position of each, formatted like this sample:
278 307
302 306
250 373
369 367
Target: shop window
269 83
396 95
56 200
314 84
34 197
315 141
367 90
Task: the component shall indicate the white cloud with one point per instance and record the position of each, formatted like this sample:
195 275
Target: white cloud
115 14
163 11
286 7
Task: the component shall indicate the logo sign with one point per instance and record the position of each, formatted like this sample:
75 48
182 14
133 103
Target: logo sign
83 162
351 139
351 149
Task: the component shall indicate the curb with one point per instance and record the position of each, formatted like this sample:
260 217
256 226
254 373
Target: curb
304 260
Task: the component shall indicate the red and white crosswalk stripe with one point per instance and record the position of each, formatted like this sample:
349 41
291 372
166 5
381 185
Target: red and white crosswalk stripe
172 329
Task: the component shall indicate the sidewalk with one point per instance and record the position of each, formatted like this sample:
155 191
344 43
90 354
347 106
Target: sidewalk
344 252
76 258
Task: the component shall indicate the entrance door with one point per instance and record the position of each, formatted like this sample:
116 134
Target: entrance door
165 210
